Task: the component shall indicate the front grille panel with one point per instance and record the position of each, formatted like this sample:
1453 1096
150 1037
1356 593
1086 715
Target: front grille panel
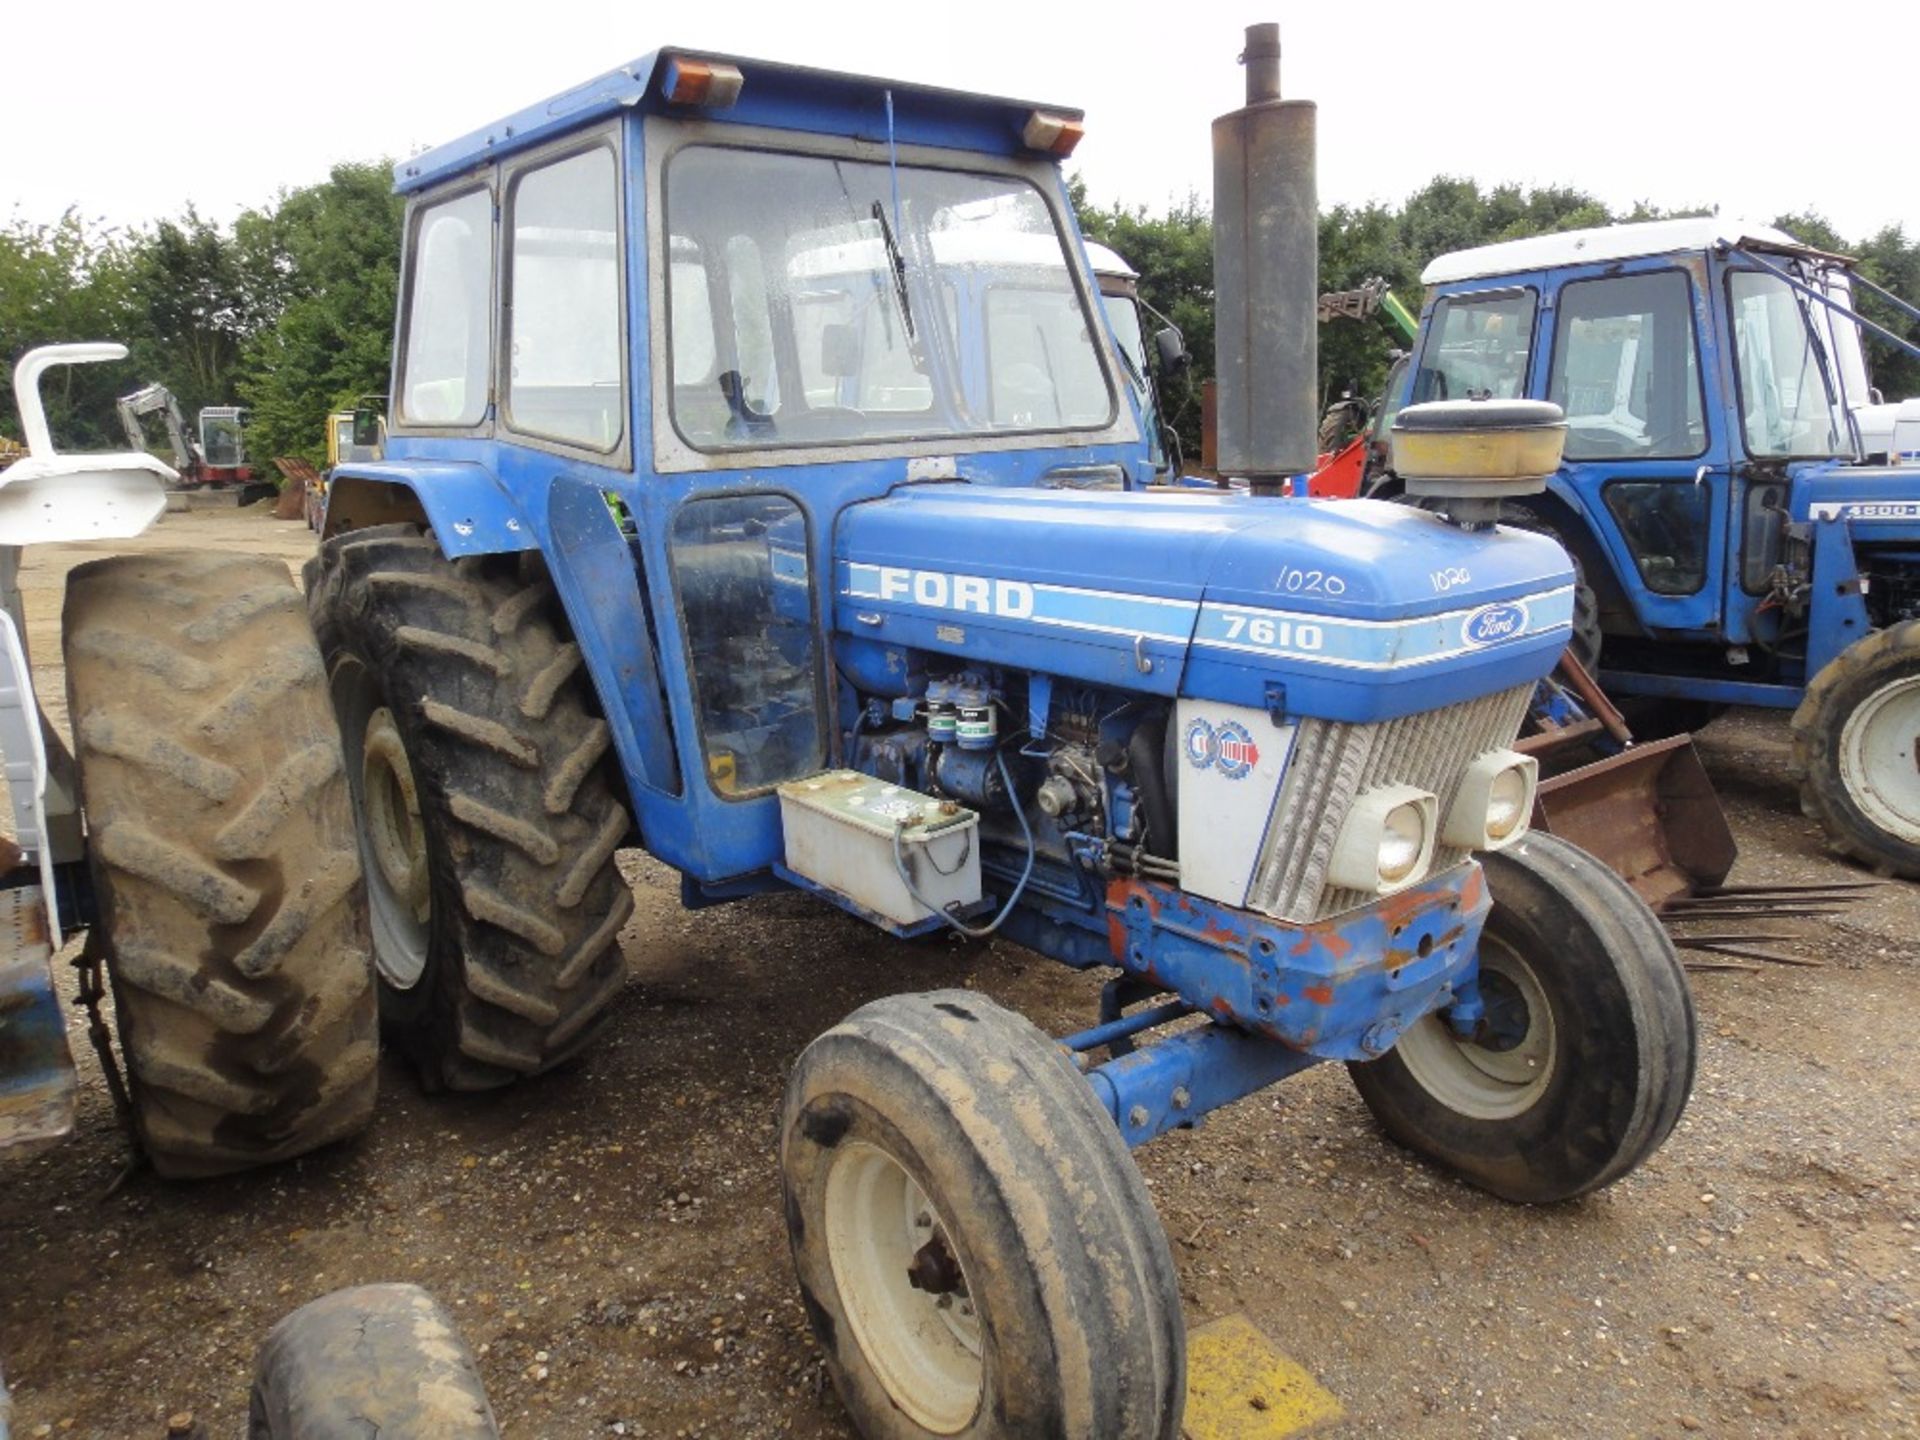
1333 762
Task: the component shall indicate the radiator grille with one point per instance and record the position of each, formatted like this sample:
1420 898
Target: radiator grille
1333 762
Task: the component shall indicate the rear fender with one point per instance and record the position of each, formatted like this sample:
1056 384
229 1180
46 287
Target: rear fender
594 572
461 502
50 497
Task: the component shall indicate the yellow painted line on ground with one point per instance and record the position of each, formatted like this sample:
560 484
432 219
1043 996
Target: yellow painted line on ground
1240 1388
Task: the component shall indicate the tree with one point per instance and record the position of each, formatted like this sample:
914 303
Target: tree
1891 259
63 282
1173 254
186 283
322 266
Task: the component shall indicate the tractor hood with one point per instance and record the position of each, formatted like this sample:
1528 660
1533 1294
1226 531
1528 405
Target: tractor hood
1882 502
1349 610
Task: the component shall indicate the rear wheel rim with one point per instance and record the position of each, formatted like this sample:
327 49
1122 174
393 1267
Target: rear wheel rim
393 838
1495 1079
1880 758
923 1344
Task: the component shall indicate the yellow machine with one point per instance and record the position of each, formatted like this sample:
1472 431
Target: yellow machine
356 434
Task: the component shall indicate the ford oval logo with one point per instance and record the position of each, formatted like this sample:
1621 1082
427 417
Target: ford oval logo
1491 624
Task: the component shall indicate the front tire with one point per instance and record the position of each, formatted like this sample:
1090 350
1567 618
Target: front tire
1856 744
976 1251
488 807
1586 1059
221 845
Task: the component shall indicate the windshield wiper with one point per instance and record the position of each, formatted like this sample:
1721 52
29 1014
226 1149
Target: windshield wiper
898 263
1133 371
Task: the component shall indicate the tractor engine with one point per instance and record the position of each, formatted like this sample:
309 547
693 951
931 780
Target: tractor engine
1292 709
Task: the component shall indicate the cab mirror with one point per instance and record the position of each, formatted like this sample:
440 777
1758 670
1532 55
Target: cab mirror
366 428
1171 347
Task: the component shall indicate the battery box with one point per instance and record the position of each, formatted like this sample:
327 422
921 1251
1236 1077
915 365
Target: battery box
839 828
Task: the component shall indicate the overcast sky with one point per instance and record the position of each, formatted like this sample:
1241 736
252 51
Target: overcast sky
1679 103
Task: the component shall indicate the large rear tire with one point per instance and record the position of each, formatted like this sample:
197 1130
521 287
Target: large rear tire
1586 1058
375 1360
221 842
1856 750
487 802
977 1254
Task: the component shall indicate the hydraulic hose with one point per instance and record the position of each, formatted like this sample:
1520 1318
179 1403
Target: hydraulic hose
975 932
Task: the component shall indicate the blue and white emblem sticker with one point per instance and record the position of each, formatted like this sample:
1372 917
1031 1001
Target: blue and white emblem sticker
1491 624
1197 742
1226 747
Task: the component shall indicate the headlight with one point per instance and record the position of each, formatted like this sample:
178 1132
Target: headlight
1495 803
1387 841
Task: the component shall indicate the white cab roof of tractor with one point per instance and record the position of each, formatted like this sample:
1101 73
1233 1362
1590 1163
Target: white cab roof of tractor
1606 242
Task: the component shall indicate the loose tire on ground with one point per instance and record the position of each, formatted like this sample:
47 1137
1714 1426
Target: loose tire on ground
376 1360
1856 750
487 801
221 844
976 1251
1589 1054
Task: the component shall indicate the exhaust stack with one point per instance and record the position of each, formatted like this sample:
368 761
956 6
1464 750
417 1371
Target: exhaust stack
1266 277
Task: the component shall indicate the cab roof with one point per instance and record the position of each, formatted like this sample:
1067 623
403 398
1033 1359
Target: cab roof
786 97
1606 242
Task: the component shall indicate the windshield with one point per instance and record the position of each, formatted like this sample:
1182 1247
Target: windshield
1477 348
1785 406
807 306
1124 316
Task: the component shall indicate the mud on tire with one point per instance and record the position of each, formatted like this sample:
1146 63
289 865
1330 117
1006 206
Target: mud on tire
488 803
1042 1299
221 842
1589 1059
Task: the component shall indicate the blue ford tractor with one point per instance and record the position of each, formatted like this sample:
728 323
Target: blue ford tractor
1731 491
764 489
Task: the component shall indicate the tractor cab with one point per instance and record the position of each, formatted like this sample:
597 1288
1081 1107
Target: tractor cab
738 297
1715 392
1730 487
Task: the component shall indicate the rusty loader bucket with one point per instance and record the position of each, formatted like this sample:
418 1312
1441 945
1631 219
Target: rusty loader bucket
1649 813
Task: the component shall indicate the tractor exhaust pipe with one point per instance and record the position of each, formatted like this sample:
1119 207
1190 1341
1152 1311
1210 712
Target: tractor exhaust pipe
1266 277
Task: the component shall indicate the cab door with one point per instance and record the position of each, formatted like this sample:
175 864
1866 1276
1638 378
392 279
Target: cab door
1621 355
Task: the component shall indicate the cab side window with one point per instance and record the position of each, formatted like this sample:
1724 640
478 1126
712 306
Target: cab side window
449 333
564 372
1477 347
1626 371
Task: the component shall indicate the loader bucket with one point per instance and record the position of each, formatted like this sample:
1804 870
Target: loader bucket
1649 814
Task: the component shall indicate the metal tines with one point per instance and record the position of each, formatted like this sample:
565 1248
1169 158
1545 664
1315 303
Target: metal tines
1728 949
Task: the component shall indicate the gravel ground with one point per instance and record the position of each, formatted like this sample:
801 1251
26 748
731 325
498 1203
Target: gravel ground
609 1237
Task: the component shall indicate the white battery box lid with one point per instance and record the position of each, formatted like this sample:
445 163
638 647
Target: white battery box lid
876 806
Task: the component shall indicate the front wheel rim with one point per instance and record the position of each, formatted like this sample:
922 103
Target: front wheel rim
1486 1081
1880 758
902 1290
